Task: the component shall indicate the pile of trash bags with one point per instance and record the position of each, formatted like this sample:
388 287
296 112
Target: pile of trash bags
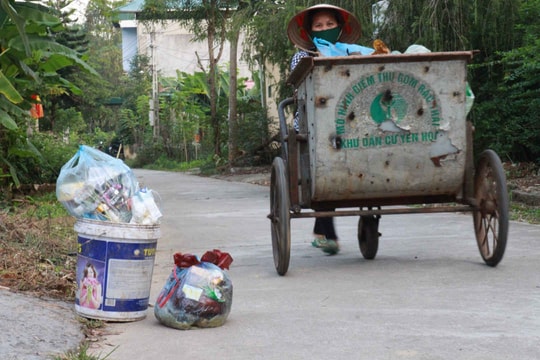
198 292
94 185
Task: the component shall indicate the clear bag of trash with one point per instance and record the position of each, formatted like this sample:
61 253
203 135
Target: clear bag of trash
144 208
198 293
95 185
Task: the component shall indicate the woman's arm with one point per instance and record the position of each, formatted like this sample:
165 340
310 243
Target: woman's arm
297 57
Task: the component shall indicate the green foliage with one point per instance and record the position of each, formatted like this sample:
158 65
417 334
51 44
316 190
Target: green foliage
100 139
505 114
253 127
126 126
68 120
131 120
30 63
46 206
504 78
165 163
206 19
486 25
184 119
148 152
99 41
184 108
52 154
206 165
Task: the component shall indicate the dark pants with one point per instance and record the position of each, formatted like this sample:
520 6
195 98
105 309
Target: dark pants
325 226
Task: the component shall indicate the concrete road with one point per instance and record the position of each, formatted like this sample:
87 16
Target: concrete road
427 295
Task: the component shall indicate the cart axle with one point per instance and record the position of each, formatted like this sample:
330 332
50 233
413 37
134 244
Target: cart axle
394 211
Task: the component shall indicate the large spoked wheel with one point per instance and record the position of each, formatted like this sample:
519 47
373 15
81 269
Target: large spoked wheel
368 236
491 215
280 216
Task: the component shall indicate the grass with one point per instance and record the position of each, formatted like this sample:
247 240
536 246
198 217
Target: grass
82 354
525 213
92 330
38 248
162 163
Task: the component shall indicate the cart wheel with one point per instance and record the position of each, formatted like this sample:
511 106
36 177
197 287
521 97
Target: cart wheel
280 216
368 236
491 215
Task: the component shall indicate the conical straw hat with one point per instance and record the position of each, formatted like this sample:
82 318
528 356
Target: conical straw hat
299 35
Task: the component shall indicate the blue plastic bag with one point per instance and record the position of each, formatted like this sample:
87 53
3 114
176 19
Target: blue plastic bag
326 48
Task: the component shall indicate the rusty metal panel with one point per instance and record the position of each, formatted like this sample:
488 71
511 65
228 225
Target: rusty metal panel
386 129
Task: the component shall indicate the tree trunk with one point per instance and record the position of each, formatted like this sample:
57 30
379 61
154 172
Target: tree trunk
233 101
212 82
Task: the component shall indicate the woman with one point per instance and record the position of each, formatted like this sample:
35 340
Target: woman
332 24
90 288
327 22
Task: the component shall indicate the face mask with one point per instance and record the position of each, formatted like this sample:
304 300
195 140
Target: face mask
331 35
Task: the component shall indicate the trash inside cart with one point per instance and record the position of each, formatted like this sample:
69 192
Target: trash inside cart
379 134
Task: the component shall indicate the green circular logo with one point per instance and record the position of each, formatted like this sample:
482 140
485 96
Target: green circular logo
388 106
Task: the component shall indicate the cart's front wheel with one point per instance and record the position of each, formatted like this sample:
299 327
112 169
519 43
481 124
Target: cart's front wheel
491 215
280 216
368 236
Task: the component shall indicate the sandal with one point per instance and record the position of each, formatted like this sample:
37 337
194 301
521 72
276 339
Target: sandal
326 245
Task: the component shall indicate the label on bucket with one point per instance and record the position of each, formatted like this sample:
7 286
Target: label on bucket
114 276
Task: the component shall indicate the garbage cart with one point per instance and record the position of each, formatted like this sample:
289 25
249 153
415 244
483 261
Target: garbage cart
377 135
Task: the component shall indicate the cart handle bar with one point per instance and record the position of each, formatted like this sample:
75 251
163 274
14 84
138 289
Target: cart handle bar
283 131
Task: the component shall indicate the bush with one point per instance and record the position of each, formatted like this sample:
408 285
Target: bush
54 154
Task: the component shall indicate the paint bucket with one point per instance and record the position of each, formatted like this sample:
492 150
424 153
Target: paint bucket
114 269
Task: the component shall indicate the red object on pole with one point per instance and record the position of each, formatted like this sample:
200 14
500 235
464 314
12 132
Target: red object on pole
36 111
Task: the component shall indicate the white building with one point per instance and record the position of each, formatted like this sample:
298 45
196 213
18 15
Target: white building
170 46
